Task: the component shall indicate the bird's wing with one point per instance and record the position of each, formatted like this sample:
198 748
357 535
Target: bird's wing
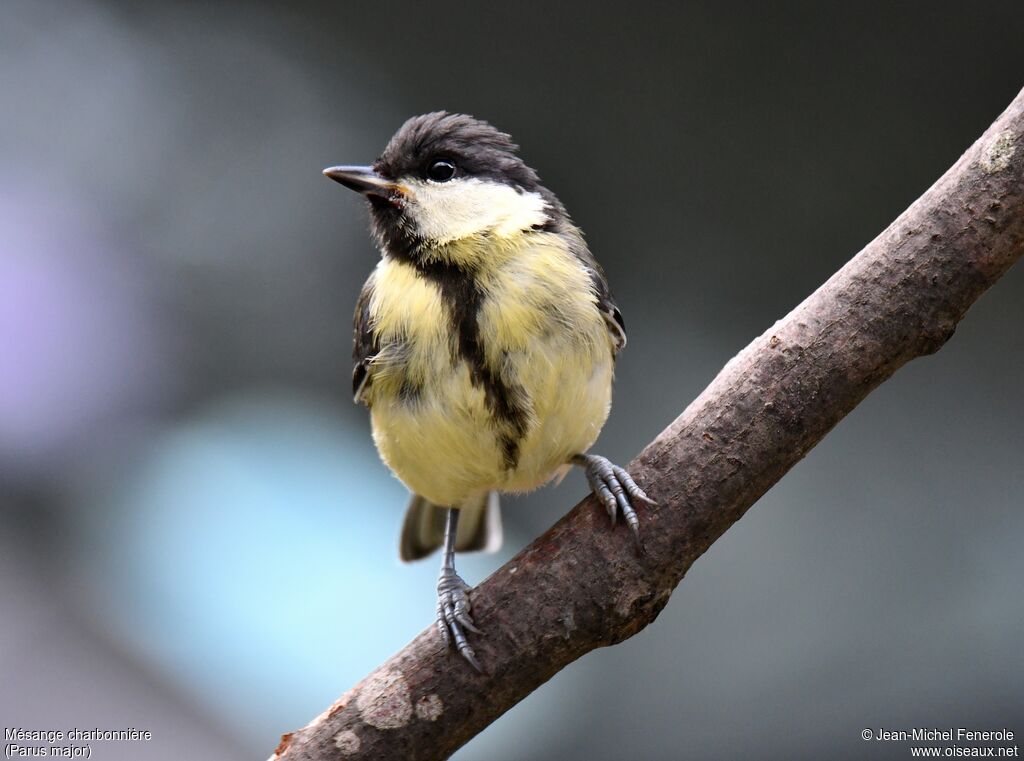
365 346
605 301
613 319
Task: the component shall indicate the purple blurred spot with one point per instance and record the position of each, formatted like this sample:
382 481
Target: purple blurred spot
80 347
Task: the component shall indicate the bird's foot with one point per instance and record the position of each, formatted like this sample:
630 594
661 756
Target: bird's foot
615 489
453 614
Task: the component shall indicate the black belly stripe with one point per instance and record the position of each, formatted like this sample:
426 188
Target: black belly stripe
464 299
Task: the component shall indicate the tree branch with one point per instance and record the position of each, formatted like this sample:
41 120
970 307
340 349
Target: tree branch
580 586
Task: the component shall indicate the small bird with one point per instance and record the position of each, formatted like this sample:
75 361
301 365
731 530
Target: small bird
485 342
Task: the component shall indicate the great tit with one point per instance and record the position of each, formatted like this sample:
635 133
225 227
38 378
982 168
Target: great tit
485 342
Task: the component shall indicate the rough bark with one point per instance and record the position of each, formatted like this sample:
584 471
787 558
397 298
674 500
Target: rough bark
580 586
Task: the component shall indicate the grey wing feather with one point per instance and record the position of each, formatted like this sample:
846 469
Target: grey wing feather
616 325
599 282
365 345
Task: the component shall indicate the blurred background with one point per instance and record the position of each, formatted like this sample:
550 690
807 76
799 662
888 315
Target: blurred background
197 536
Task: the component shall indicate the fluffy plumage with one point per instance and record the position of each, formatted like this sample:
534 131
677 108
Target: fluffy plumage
485 338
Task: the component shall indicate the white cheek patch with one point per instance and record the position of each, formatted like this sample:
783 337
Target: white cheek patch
448 211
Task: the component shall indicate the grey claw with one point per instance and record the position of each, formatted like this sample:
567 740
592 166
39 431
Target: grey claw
470 656
634 491
616 490
461 614
467 623
637 493
453 615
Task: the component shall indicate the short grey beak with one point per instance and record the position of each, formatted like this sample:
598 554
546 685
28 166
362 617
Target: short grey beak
363 179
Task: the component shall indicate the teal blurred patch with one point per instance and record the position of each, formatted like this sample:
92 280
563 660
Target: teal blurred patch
251 555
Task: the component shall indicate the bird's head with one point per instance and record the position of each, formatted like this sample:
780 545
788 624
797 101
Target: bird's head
444 179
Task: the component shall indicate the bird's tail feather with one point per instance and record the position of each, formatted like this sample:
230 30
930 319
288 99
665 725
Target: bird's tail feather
423 528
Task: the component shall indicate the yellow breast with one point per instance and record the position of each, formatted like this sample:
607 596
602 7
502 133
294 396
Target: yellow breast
435 419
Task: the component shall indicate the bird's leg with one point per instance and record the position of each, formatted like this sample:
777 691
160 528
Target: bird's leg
615 489
452 600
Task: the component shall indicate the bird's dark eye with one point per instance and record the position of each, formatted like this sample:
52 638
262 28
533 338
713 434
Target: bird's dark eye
441 170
